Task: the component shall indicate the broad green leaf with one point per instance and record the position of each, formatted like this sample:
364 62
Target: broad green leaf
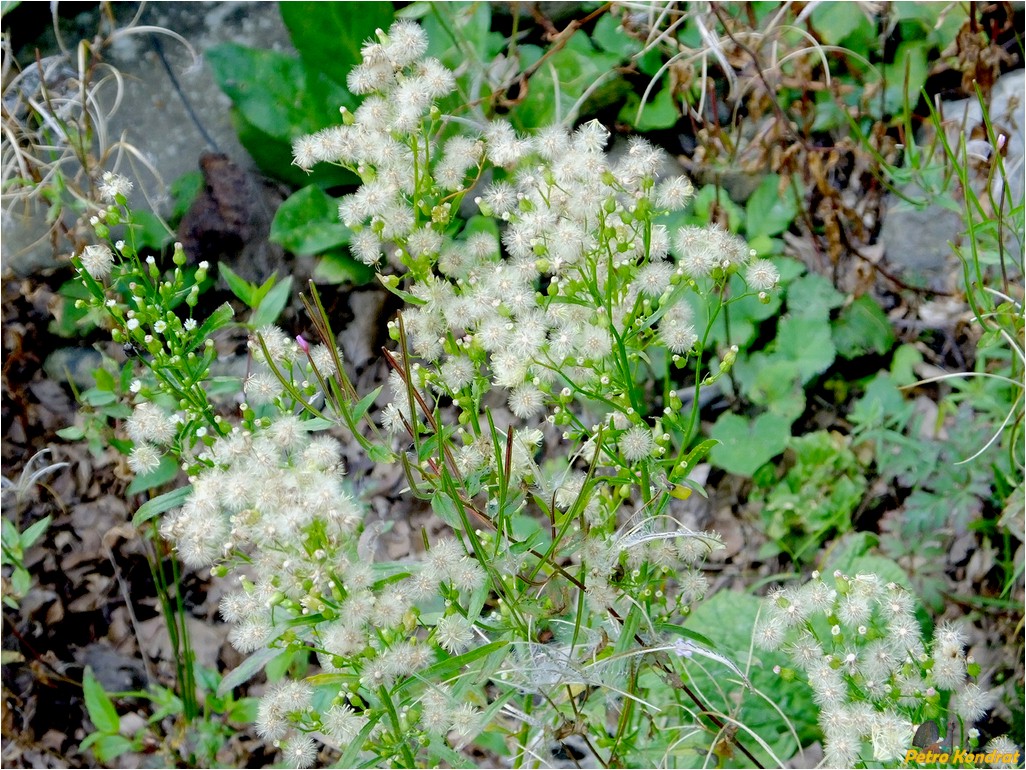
272 304
770 210
34 532
807 343
97 397
813 296
307 223
274 92
104 379
460 34
609 35
162 474
21 581
659 112
109 747
239 286
707 201
834 22
337 267
150 231
276 99
99 705
773 383
219 318
246 670
910 59
745 445
244 711
364 403
11 539
184 191
329 36
905 358
863 328
446 511
161 504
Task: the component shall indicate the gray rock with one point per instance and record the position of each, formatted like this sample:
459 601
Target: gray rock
150 137
919 239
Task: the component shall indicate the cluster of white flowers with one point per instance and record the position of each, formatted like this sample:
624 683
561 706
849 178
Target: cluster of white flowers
861 648
582 278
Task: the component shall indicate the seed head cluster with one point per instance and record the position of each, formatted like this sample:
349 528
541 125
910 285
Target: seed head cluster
858 643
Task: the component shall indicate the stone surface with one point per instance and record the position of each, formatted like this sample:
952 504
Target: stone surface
918 239
159 140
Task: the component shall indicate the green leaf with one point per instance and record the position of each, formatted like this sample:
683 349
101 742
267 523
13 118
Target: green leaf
813 296
11 539
272 304
770 211
329 36
220 317
150 231
707 201
910 57
746 445
161 504
99 705
244 711
276 100
21 581
184 190
271 90
659 112
461 34
246 670
364 403
336 267
609 35
97 397
104 379
834 22
806 342
34 532
773 383
307 223
687 633
903 364
110 747
863 328
693 458
239 286
446 510
351 754
162 474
